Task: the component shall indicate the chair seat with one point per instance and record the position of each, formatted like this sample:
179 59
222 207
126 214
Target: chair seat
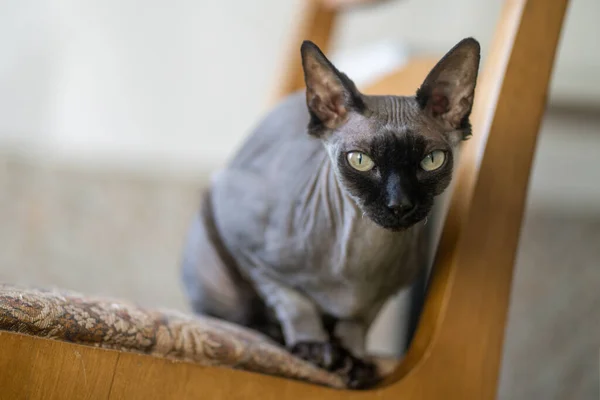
117 325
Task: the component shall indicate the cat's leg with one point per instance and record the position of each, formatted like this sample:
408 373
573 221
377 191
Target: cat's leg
299 317
306 336
212 283
243 205
351 334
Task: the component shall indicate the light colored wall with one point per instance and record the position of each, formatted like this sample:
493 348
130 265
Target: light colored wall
136 79
176 85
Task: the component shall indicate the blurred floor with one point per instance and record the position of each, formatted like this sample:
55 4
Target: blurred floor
119 234
553 335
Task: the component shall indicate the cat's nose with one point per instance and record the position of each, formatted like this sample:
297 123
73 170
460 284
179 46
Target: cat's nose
400 205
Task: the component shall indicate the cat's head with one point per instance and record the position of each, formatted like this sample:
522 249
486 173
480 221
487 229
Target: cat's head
393 154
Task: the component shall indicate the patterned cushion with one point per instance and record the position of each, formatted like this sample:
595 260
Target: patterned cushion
117 325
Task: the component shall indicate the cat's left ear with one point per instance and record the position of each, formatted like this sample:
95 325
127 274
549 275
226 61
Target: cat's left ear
330 94
448 91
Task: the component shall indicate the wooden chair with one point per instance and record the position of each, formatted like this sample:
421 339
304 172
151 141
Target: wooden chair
457 349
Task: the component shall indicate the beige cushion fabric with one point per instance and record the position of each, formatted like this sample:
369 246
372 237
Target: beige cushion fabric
117 325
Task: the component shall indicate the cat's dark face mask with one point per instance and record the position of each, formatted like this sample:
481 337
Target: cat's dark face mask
393 154
392 176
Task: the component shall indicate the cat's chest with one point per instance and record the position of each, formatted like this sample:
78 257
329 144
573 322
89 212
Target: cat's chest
374 261
353 265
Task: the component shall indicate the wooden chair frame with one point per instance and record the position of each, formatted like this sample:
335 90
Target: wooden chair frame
457 350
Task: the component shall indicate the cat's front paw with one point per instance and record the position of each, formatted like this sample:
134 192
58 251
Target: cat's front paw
357 373
362 375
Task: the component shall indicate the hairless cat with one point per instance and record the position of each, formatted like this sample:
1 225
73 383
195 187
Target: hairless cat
320 216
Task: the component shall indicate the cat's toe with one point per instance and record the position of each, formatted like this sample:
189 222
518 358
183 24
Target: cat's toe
362 375
357 373
325 355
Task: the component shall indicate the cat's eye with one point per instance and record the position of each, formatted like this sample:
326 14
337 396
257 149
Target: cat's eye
433 160
360 161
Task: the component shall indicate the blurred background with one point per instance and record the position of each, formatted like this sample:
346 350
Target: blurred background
113 114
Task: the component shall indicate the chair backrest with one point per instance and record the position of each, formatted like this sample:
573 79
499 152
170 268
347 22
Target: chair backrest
457 349
315 22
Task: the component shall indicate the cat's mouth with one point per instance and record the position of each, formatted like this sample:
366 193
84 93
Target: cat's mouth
396 221
404 215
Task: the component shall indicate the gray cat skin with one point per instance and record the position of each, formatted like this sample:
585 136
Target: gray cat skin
319 217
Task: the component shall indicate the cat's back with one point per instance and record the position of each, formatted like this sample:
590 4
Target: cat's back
280 142
254 195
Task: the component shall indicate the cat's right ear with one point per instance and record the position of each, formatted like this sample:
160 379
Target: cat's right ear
448 92
330 94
